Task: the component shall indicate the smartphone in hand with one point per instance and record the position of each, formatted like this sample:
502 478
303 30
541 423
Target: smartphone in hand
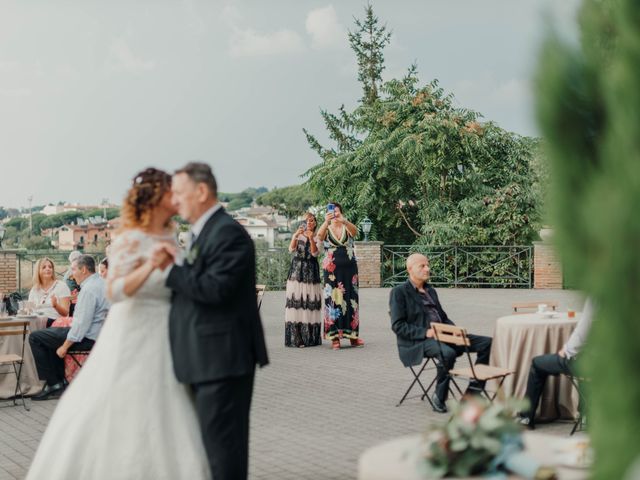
331 208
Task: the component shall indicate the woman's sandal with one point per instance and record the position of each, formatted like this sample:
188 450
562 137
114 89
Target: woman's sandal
335 344
357 342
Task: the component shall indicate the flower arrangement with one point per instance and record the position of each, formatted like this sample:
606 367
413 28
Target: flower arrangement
480 438
192 254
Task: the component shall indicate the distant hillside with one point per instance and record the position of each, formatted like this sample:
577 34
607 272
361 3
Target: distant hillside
243 199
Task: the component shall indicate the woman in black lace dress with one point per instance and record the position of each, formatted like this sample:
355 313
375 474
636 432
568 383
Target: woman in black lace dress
304 291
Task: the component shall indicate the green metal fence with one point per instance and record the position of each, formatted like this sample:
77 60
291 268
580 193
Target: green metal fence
469 266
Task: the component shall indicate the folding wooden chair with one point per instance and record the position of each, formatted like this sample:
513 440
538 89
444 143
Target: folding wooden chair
416 379
457 336
260 289
14 328
530 307
575 381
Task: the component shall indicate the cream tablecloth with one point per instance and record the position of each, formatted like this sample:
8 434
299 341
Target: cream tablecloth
29 377
519 338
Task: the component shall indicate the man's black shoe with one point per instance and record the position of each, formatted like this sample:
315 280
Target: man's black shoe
474 388
49 392
438 405
527 423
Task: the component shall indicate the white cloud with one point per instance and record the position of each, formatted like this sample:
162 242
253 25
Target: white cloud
324 28
249 43
510 93
121 58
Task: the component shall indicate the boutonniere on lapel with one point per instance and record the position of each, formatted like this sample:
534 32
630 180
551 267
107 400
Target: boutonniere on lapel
192 254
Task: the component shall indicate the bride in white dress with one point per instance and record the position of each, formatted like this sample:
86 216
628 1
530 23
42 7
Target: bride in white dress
125 416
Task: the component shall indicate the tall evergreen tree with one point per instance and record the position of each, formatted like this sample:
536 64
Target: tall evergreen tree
368 42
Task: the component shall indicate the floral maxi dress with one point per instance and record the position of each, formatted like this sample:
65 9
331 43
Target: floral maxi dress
341 312
304 298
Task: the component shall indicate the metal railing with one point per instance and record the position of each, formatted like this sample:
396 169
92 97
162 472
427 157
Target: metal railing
468 266
272 267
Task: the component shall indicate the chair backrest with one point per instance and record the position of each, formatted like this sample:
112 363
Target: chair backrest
260 289
528 307
454 336
451 334
15 327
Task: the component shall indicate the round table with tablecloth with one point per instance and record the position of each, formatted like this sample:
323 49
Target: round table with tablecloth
519 338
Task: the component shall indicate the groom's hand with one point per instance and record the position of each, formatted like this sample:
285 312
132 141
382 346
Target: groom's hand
162 255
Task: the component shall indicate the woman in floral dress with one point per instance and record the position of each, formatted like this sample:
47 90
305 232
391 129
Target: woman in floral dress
340 269
304 291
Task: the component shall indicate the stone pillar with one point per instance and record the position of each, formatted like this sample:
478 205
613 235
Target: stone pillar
8 271
369 255
547 270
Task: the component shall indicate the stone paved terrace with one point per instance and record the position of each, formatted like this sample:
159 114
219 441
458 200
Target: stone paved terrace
316 410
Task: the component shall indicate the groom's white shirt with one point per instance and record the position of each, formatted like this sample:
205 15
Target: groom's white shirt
196 228
199 224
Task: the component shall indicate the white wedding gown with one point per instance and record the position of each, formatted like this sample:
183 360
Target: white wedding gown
125 416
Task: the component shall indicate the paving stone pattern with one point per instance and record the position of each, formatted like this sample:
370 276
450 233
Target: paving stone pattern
316 410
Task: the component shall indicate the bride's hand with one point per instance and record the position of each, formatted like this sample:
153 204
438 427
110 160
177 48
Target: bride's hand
162 256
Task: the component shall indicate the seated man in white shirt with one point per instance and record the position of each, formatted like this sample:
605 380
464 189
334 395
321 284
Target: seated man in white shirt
555 363
49 346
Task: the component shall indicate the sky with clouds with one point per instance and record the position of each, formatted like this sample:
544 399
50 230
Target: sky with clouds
93 91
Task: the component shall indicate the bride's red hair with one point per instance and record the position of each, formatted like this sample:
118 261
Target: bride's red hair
146 192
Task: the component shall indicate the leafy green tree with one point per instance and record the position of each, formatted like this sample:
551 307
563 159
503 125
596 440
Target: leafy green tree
99 212
19 223
36 242
290 201
429 172
37 219
243 199
589 109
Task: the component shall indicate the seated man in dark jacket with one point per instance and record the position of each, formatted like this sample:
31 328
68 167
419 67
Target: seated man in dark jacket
414 305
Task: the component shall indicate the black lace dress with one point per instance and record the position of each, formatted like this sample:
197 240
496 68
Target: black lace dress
304 298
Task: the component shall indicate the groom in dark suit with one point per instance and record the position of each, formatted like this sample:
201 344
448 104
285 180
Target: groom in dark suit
215 329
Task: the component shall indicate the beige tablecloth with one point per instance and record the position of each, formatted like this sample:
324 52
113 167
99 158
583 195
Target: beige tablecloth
519 338
399 459
29 377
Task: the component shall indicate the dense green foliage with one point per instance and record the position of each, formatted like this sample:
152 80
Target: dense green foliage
240 200
290 201
424 170
589 110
